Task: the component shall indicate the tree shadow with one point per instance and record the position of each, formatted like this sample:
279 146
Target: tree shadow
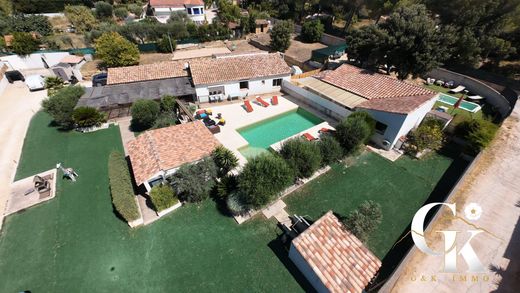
281 251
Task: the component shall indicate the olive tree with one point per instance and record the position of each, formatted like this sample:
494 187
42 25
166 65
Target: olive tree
303 156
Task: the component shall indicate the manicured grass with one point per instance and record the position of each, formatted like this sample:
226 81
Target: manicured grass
75 243
400 188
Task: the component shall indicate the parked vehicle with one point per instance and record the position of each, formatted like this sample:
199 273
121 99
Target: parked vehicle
35 82
14 75
99 79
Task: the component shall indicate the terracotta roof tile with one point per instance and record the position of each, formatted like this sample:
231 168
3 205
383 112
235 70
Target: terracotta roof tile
337 257
168 148
175 3
382 92
162 70
239 67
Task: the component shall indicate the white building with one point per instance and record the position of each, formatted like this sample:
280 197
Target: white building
397 106
162 9
233 76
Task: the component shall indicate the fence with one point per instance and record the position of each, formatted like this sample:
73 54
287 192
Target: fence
306 74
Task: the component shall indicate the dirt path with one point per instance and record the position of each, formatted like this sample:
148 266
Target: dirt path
17 106
493 185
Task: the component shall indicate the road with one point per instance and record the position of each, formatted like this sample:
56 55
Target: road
494 185
17 106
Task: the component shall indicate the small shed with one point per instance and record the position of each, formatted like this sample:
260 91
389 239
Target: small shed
321 55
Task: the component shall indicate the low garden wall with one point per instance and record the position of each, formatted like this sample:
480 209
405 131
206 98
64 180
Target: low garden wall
169 210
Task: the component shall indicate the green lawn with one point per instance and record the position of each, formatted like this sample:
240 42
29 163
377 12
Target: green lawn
75 242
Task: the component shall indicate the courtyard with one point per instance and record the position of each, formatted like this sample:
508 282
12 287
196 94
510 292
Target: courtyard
75 242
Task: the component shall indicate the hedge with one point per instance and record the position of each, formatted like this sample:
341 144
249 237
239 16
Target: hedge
121 187
163 197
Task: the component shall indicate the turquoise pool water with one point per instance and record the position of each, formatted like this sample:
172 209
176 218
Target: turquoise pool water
468 106
264 133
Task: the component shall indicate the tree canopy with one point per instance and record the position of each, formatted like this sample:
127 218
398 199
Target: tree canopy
281 35
116 51
24 44
312 31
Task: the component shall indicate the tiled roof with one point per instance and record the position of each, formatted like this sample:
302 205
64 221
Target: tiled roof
168 148
175 3
336 256
161 70
235 68
73 59
382 92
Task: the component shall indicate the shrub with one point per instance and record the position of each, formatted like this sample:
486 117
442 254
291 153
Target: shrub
302 156
121 12
168 103
103 10
24 44
226 186
263 178
478 133
81 17
312 31
87 117
428 135
194 182
364 220
371 122
144 113
166 45
224 159
351 133
330 150
53 84
116 51
164 120
162 197
61 105
121 187
235 205
135 9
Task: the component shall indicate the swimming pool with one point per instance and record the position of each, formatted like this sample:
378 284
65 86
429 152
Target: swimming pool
266 132
465 105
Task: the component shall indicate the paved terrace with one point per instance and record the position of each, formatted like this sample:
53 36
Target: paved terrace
237 117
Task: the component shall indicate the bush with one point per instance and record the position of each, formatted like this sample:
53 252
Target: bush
121 187
164 120
478 133
364 220
116 51
351 133
24 44
371 122
312 31
121 12
144 113
168 103
166 45
81 17
53 84
135 9
87 117
61 105
162 197
302 156
194 182
224 159
263 178
226 186
428 135
103 10
235 205
330 150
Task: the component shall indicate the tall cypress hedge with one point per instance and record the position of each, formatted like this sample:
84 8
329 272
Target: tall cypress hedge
121 187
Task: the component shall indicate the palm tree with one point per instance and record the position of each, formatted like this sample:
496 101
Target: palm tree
224 159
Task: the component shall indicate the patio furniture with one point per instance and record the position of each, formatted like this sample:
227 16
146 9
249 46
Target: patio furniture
222 121
309 136
430 81
214 129
325 130
209 112
439 82
274 100
248 107
262 102
449 84
475 97
458 89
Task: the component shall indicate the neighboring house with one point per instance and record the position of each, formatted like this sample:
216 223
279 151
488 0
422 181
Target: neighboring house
262 26
157 154
397 106
162 9
155 71
332 259
233 76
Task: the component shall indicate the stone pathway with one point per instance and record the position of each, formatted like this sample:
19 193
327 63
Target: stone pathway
126 135
149 215
277 210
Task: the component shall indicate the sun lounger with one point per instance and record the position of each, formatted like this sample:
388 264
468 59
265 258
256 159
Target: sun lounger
274 100
308 136
262 102
248 106
475 97
457 89
325 130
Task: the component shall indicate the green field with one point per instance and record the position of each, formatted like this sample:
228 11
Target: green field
75 242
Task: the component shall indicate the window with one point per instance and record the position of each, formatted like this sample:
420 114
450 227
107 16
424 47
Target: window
244 85
380 127
202 11
277 82
196 11
189 10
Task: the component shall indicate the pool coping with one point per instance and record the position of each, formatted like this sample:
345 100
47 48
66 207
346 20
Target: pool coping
478 108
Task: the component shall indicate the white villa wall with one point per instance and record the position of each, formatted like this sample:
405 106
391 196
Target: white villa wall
256 87
306 270
34 61
163 13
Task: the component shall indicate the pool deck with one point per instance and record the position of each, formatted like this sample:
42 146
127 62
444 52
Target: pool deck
237 117
314 131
